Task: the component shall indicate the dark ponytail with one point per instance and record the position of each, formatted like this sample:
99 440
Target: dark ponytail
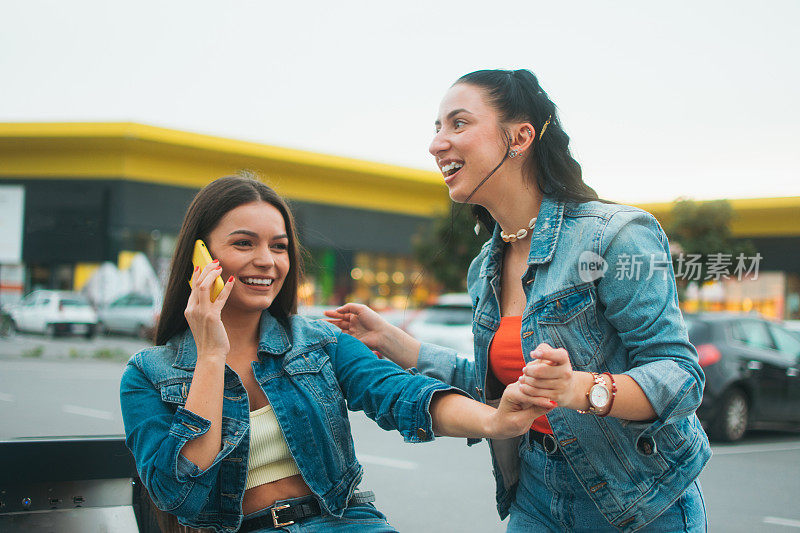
518 97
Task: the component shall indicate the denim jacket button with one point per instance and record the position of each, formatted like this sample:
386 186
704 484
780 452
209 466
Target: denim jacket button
646 445
421 434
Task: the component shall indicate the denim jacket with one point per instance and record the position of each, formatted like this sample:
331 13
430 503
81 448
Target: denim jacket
599 284
311 374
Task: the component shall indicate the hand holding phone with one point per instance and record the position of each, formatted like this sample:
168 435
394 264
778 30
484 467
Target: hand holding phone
200 258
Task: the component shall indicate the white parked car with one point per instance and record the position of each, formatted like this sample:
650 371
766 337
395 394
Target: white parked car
792 325
314 312
55 313
447 323
133 314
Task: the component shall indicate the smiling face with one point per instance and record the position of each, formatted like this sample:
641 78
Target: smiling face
469 141
252 245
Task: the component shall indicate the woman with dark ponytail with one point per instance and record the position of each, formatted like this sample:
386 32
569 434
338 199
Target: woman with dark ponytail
574 298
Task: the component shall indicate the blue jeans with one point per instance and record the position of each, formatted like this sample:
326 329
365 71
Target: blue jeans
356 518
550 498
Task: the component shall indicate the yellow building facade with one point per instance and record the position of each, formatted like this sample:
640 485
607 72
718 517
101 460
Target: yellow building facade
98 191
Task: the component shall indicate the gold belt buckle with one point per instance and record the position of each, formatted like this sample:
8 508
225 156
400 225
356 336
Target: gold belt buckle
275 516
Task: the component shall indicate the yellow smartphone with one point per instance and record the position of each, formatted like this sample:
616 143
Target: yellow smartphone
200 258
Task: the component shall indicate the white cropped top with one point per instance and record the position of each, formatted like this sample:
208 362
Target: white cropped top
269 458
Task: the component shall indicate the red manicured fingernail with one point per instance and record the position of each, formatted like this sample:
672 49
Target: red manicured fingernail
230 279
554 403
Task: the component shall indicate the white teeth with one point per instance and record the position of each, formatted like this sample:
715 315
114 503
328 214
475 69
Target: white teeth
257 281
452 166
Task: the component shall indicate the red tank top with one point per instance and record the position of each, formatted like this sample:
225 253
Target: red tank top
506 361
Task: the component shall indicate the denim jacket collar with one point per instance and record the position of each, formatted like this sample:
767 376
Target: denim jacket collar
273 340
543 241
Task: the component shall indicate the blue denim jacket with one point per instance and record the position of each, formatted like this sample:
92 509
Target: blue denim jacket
626 321
311 373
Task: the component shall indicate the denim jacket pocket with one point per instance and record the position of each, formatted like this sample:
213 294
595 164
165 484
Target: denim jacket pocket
175 393
314 372
569 319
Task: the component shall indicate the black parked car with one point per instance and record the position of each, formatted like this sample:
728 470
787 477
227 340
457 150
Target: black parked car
752 369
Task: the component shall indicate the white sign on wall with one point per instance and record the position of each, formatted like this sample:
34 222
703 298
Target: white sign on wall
12 211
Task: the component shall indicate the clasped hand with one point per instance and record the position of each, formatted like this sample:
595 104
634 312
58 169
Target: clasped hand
548 381
550 375
516 412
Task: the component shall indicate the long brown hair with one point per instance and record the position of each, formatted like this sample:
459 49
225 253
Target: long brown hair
212 203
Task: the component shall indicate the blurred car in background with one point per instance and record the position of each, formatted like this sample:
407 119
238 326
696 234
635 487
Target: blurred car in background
752 369
792 325
399 317
314 312
55 313
6 324
395 317
447 323
131 314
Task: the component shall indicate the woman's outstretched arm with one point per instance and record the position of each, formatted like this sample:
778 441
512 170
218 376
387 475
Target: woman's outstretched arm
398 346
420 406
455 415
370 328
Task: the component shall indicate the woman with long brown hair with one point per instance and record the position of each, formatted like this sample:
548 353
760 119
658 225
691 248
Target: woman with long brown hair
237 418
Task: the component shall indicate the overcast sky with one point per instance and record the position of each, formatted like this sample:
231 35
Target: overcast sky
662 99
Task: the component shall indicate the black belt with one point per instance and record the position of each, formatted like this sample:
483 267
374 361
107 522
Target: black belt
547 441
287 512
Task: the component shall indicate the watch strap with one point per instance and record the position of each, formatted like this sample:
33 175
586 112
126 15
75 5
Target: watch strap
596 380
613 393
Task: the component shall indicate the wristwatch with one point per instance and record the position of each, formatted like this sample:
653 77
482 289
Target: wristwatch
600 396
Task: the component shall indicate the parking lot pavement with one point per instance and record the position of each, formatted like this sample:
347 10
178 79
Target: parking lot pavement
32 346
751 486
754 485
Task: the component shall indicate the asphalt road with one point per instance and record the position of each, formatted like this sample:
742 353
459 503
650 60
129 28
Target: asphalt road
70 387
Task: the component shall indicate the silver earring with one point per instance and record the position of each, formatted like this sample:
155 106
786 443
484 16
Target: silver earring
512 154
477 228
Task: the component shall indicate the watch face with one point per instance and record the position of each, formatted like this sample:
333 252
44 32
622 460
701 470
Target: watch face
599 396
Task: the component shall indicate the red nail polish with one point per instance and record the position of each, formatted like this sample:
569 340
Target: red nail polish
554 403
230 279
196 268
215 261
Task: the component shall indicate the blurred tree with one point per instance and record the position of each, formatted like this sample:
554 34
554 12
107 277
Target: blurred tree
706 247
446 248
